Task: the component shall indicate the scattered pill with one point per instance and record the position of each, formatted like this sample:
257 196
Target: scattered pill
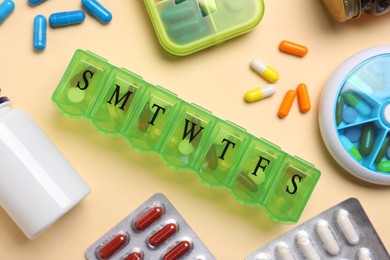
97 10
284 252
367 140
353 134
112 246
66 18
358 103
35 2
163 234
179 250
384 166
303 98
339 109
264 70
260 93
353 150
6 7
287 102
306 246
148 218
329 242
383 150
347 227
39 37
293 48
350 115
134 256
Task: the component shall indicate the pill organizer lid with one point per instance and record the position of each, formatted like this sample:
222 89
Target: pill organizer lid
361 83
187 26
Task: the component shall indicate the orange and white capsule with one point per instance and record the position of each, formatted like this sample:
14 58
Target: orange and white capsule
267 72
293 48
260 93
303 98
287 102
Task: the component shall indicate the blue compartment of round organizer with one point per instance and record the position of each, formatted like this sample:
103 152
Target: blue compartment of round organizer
357 99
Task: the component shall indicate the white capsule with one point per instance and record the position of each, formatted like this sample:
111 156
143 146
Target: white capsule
284 252
347 227
260 93
363 254
329 241
306 246
263 256
264 70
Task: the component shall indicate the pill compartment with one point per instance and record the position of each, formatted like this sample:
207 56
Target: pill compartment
155 230
185 141
152 120
343 231
288 194
357 127
115 103
186 136
222 153
187 26
81 83
257 170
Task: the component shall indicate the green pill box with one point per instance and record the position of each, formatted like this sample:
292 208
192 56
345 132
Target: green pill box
187 137
187 26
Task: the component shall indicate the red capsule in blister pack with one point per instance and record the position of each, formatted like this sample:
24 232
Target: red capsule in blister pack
155 230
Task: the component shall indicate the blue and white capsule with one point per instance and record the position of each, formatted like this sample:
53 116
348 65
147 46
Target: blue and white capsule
6 7
39 37
66 18
97 10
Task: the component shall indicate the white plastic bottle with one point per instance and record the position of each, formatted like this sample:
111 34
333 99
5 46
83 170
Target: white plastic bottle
37 184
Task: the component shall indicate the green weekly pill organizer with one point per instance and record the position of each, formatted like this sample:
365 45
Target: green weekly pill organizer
187 26
186 136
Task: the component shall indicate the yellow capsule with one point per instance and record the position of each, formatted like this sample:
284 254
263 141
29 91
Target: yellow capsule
260 93
267 72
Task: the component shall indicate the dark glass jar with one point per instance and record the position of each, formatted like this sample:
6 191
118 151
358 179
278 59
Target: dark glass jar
343 10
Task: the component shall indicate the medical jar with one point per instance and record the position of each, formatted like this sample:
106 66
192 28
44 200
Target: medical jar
37 184
343 10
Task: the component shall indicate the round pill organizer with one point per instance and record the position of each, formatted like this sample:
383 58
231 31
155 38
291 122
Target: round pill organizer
354 115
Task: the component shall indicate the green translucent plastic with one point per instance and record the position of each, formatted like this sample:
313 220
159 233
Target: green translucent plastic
186 136
187 26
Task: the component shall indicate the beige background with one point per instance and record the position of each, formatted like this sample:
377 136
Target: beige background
121 178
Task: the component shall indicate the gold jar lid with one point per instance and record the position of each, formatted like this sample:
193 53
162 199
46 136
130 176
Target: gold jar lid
343 10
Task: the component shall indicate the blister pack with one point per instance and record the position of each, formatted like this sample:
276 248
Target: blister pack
155 230
341 232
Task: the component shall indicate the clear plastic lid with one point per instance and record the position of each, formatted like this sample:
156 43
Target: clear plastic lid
187 26
357 128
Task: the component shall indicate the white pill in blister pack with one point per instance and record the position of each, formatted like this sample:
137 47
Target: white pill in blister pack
341 232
